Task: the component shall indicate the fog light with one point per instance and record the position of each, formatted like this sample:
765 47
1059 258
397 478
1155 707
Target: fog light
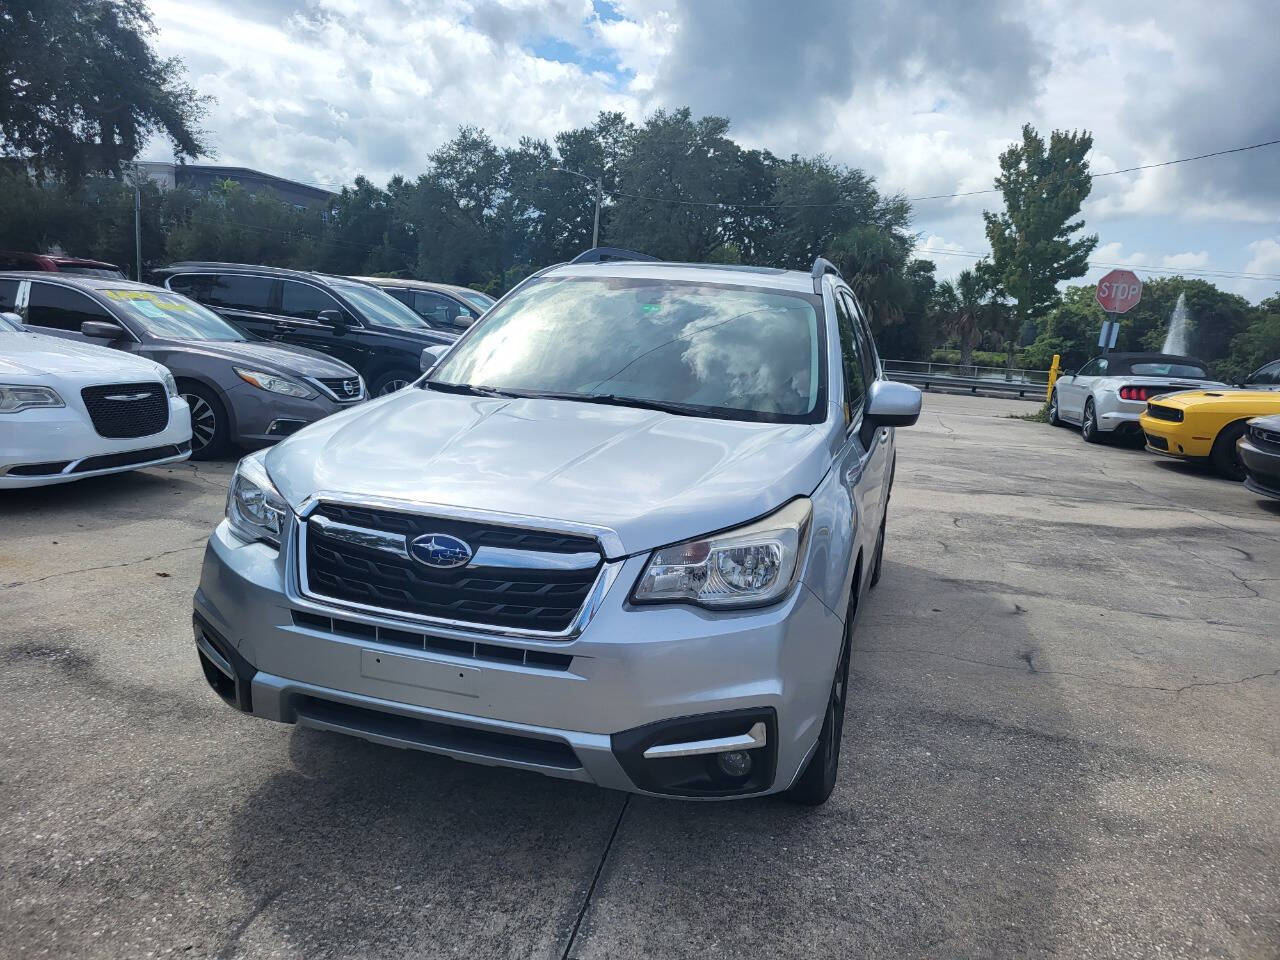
735 763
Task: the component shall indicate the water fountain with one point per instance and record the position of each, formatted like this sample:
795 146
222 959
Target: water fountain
1175 340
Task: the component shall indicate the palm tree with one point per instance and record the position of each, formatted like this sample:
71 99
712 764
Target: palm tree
965 311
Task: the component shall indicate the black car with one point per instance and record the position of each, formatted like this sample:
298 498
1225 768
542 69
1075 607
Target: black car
347 319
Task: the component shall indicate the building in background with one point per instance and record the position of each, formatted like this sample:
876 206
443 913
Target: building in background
202 176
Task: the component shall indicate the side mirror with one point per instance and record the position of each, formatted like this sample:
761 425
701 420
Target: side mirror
12 317
431 356
1066 373
889 404
332 318
464 319
102 330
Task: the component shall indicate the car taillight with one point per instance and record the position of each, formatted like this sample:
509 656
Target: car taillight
1137 393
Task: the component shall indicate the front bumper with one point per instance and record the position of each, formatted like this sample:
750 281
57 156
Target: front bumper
261 417
1174 439
41 447
1262 468
582 708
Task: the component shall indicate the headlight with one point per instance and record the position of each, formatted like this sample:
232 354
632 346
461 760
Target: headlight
255 508
746 567
274 383
15 397
170 385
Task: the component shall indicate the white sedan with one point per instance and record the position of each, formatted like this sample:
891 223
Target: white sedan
73 410
1108 394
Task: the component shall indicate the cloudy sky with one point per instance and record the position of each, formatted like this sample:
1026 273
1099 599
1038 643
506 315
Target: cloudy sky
923 94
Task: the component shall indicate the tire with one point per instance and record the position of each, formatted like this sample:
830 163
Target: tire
1089 423
391 381
814 786
210 425
1054 419
879 557
1224 457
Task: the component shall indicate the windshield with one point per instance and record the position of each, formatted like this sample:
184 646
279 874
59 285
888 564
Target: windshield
1161 369
165 314
476 299
712 350
378 306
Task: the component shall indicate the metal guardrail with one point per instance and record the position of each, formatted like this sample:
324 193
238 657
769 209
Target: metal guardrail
955 376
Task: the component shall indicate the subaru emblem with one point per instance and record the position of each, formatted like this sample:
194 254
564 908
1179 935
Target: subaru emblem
440 550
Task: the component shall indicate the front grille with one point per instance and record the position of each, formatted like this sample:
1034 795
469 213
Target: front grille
412 640
1172 414
343 389
121 410
1265 439
108 460
545 600
435 734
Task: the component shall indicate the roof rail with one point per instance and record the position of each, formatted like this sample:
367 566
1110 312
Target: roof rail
601 254
821 267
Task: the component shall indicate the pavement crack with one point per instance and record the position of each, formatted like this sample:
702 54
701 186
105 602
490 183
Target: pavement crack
1032 670
591 890
228 949
199 544
195 472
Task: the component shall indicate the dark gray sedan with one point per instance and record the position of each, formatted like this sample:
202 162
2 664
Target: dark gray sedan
241 391
1259 450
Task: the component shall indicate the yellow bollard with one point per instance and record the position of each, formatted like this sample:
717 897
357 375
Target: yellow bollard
1053 375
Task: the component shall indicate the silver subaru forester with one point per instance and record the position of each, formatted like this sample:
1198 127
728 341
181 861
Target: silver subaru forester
618 533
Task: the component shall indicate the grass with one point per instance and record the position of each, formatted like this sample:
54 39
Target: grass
1040 416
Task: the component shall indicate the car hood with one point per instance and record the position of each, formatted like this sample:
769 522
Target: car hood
35 355
268 357
1227 396
652 478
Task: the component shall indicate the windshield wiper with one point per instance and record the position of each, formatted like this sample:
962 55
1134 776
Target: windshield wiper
468 389
613 399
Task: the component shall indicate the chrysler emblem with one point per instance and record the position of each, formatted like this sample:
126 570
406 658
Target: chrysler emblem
440 550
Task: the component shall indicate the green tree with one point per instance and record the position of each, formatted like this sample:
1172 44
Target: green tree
81 88
1032 243
1259 343
965 303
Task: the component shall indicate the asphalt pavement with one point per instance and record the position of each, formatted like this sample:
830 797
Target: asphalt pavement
1062 740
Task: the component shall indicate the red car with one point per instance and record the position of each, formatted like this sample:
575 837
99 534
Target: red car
11 260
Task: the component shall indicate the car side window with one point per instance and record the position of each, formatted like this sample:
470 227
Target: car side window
304 302
238 291
61 308
1267 375
870 369
8 295
437 310
855 382
1093 368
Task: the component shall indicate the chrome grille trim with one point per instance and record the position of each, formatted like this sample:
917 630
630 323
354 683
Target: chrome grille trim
298 588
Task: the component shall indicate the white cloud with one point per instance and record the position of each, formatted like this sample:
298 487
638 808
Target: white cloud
322 90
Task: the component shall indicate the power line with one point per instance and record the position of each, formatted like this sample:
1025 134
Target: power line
1172 271
936 196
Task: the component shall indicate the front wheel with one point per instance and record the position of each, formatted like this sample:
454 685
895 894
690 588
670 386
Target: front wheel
210 426
1089 424
1225 457
1054 419
391 381
815 785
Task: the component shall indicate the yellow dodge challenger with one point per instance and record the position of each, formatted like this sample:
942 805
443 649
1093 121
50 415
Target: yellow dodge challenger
1205 424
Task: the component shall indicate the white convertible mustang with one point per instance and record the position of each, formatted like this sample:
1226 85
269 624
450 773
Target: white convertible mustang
1108 394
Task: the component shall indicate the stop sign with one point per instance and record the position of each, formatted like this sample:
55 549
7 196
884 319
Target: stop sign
1119 291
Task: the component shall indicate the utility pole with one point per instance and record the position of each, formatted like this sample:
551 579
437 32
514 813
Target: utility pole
595 231
137 221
